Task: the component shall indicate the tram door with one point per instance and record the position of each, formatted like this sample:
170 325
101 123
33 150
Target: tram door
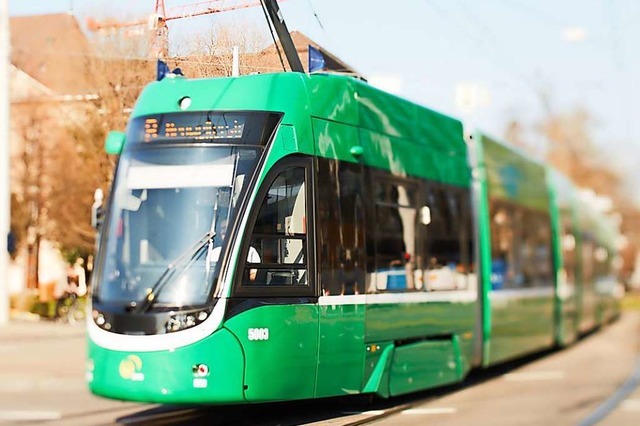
278 325
341 262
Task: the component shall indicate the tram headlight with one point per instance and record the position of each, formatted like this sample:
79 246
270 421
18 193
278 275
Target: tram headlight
100 320
184 103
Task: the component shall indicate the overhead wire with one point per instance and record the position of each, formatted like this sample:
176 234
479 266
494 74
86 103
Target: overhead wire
482 44
612 46
540 16
531 11
329 42
316 15
507 55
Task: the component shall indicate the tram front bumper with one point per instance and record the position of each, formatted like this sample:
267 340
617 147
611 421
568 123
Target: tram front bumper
209 371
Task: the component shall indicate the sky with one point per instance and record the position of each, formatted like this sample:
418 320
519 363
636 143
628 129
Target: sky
484 62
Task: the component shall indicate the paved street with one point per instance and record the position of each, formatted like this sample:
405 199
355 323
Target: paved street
42 367
564 388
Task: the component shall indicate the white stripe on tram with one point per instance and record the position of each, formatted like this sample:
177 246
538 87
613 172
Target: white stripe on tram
521 293
394 298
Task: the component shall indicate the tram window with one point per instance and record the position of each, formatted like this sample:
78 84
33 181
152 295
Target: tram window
537 267
341 227
444 242
395 243
503 254
279 236
601 263
520 247
587 259
569 251
588 249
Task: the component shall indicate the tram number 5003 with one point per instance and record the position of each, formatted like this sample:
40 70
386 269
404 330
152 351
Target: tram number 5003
258 334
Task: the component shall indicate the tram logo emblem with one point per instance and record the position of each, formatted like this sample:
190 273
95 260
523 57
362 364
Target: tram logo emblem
130 368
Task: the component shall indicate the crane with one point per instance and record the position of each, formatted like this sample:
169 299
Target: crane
157 22
177 12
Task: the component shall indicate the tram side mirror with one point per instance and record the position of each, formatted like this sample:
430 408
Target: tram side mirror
425 215
114 142
97 209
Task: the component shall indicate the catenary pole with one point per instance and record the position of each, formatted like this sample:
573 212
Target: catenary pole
4 161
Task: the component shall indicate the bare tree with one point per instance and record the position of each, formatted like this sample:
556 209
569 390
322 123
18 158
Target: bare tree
79 164
515 134
60 161
28 219
211 53
82 166
573 152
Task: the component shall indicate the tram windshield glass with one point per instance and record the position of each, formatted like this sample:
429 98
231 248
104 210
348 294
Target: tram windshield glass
170 213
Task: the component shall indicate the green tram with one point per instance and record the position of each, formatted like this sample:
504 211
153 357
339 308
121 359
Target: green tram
290 236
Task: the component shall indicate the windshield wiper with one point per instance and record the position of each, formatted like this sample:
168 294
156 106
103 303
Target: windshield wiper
179 263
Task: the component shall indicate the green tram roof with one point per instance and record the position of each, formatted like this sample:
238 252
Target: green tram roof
390 129
511 175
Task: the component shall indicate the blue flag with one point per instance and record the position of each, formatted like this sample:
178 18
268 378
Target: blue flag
316 60
162 70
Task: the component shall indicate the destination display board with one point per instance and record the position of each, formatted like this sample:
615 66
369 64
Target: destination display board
170 129
250 128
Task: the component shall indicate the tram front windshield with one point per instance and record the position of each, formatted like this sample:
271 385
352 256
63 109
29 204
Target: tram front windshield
168 223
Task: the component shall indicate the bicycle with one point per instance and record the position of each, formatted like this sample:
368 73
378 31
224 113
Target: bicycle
70 309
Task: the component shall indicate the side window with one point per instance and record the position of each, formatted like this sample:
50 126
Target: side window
503 244
423 237
588 249
340 228
520 247
537 265
277 254
569 249
395 241
601 264
445 240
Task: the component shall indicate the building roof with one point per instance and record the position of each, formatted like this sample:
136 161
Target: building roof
24 87
53 50
302 43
